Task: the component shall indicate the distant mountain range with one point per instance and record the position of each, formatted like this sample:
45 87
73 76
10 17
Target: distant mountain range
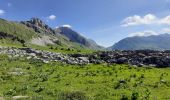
154 42
36 32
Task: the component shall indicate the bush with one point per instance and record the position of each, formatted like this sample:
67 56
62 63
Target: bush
62 49
51 47
75 95
124 97
68 49
39 89
43 77
135 96
36 62
10 92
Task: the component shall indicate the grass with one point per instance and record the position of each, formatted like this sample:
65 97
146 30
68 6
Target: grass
57 81
63 49
16 29
52 48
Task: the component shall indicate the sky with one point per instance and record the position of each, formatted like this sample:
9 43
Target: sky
105 21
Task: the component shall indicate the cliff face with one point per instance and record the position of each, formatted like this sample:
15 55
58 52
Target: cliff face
39 26
64 34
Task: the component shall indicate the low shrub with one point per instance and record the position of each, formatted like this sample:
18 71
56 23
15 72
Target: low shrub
75 95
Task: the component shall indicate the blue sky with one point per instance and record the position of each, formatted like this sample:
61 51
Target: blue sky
105 21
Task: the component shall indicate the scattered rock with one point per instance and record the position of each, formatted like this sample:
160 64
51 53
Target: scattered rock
84 59
122 60
44 56
122 81
19 97
135 58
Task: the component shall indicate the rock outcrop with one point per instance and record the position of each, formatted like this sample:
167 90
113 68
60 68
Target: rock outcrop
138 58
44 56
38 26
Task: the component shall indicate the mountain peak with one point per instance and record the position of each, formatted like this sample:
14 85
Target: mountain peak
38 25
36 21
74 36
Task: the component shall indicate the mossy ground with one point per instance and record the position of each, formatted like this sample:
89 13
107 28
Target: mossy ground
57 81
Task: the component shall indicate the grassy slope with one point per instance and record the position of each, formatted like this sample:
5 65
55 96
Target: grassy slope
16 29
63 49
25 33
96 82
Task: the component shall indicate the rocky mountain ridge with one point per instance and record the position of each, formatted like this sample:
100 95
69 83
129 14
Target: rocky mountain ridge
62 34
38 25
153 42
78 38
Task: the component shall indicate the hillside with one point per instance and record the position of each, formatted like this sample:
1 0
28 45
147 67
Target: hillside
78 38
62 35
15 33
154 42
34 33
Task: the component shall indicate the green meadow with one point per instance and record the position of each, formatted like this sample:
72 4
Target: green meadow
58 81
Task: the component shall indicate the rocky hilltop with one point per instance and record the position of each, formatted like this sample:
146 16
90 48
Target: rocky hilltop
38 25
36 32
64 35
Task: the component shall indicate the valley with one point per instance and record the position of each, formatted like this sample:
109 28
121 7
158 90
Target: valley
38 62
35 80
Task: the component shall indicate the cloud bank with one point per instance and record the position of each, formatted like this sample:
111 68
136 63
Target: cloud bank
150 32
145 20
2 12
145 33
69 26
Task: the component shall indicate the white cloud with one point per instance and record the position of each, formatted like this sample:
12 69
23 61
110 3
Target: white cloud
145 20
52 17
69 26
66 25
165 20
165 30
56 27
150 32
145 33
2 12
